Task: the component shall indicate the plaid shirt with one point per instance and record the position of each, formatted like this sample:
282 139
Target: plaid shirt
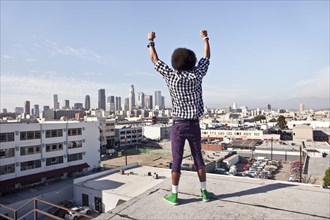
185 88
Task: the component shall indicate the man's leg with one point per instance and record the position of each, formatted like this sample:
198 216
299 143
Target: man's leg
201 174
175 178
195 146
177 142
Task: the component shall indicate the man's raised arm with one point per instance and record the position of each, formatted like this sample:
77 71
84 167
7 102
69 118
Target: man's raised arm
151 46
207 52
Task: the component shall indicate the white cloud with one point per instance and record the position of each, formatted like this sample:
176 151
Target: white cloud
82 53
39 88
31 60
317 85
6 56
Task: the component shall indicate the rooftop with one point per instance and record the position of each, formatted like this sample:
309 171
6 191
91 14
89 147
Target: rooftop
231 198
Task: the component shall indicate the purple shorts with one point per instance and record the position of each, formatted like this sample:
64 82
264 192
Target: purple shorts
180 132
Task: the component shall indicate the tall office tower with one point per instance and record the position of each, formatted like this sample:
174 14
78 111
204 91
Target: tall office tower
118 103
269 107
78 106
163 102
111 103
4 110
131 96
148 102
87 102
19 110
46 107
140 100
56 104
234 106
301 107
36 110
101 99
27 107
125 105
158 99
107 104
66 104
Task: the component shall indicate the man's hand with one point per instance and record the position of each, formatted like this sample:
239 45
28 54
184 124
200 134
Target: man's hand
152 50
151 36
207 52
203 33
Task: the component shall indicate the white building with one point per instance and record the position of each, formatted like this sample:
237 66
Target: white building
241 134
34 153
108 189
157 131
107 132
128 134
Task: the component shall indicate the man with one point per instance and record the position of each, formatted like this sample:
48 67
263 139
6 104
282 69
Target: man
184 82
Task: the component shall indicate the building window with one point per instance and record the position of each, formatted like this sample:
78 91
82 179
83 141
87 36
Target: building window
54 160
28 165
54 133
54 147
29 135
5 169
74 131
7 137
74 157
75 144
30 150
7 153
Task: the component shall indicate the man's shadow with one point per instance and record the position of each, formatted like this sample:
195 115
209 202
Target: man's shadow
261 189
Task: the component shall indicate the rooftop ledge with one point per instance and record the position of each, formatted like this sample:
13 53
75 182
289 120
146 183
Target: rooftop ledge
231 198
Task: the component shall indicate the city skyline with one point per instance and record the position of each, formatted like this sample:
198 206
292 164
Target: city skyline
263 52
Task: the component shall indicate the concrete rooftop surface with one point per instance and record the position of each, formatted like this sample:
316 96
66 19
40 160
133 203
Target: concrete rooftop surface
231 198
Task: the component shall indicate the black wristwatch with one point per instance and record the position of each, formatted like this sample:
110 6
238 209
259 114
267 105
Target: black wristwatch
151 43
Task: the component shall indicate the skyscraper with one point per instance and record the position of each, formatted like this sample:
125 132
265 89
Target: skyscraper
36 110
111 103
27 109
56 104
101 100
118 103
269 107
148 102
140 100
87 102
163 102
301 107
66 104
158 99
131 97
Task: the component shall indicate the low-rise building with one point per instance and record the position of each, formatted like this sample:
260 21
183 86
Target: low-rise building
127 134
34 153
106 190
157 131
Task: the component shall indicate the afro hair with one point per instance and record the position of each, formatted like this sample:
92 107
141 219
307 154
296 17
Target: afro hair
183 59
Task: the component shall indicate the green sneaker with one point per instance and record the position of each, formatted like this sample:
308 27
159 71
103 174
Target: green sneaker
171 198
205 195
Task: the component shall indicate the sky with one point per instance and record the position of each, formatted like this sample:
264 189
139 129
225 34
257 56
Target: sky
262 52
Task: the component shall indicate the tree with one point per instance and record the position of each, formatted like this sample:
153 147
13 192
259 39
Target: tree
281 122
259 118
326 178
272 120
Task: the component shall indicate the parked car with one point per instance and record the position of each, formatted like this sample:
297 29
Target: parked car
61 212
80 209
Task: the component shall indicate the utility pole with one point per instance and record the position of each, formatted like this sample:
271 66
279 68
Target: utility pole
271 149
300 165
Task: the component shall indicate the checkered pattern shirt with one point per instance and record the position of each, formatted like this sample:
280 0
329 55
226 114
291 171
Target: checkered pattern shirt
185 88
